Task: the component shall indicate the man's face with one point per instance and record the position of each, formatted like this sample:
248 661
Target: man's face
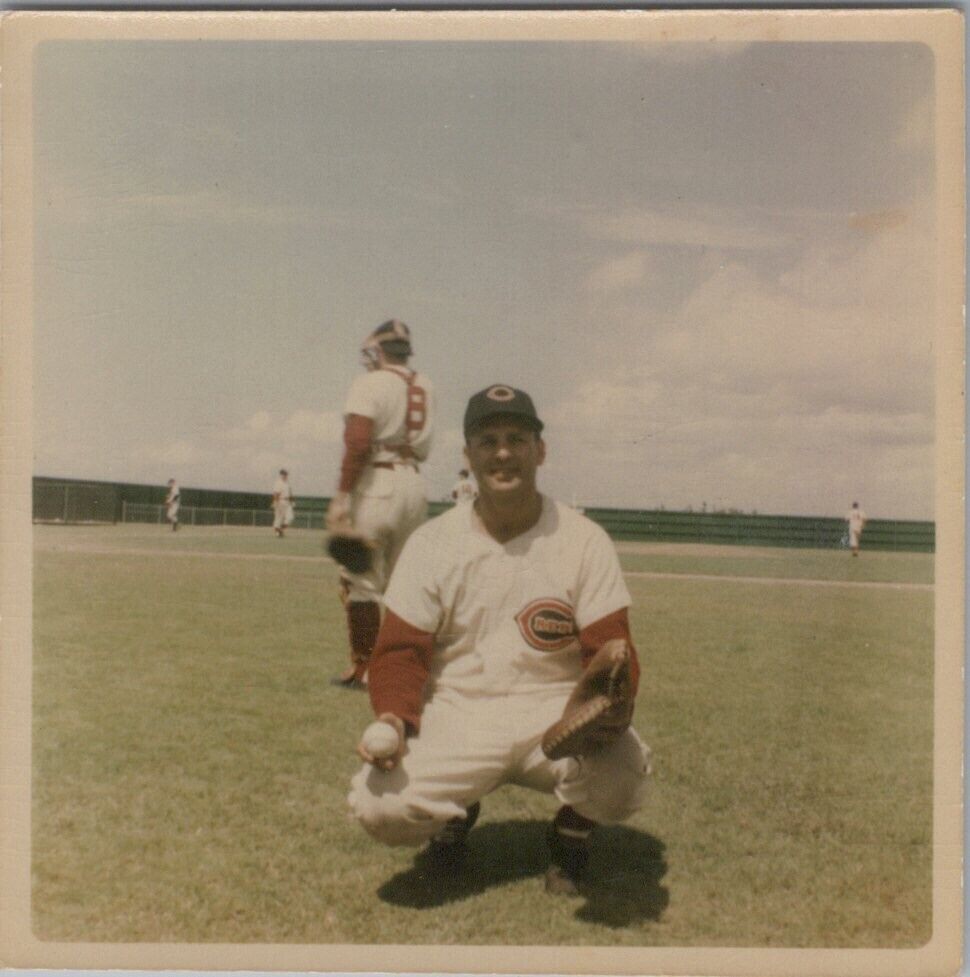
504 454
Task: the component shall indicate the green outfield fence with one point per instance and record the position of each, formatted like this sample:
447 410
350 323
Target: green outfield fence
76 501
816 532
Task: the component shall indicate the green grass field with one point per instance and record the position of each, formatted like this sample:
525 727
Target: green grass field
191 761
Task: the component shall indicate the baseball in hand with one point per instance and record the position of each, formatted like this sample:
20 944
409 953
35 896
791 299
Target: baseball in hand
380 740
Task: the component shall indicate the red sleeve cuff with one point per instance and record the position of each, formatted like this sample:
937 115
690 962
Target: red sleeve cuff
398 670
358 434
615 625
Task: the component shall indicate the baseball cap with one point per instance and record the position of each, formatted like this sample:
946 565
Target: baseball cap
500 400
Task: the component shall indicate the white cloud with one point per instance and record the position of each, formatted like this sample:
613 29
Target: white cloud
882 264
845 325
254 428
628 405
302 425
324 427
259 422
82 204
728 230
262 463
617 273
169 453
306 442
776 393
245 457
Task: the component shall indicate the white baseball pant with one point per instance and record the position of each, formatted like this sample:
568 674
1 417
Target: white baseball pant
283 516
469 746
387 507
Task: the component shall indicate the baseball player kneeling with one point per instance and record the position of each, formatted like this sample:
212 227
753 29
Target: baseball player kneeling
504 658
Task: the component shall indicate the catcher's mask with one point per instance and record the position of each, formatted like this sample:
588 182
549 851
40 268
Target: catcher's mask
393 335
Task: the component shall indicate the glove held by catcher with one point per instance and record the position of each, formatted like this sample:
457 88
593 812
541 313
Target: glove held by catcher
351 550
599 709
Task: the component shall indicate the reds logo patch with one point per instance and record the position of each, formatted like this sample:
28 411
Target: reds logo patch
500 393
547 624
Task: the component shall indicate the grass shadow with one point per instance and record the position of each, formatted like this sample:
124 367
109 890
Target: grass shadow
624 881
623 886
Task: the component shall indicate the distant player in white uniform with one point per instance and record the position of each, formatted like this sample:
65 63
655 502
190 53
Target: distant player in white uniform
491 616
282 502
857 522
464 490
172 504
388 427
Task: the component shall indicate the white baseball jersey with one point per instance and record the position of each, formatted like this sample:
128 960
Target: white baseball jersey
506 619
172 501
402 411
282 503
282 491
464 491
507 616
857 519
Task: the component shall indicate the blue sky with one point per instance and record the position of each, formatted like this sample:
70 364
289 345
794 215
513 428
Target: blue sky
712 264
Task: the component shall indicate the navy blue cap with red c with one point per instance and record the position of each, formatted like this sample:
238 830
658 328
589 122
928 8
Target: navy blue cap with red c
500 400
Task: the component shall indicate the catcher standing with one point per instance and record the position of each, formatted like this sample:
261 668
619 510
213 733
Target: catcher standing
504 658
388 422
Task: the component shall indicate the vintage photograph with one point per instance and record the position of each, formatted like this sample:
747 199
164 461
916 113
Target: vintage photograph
482 492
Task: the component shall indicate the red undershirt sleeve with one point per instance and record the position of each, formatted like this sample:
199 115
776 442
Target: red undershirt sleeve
398 670
615 625
358 434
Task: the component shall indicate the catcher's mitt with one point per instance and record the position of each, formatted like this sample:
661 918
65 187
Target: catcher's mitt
351 550
600 707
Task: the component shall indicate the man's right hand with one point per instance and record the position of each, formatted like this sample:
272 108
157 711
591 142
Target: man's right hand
386 762
338 513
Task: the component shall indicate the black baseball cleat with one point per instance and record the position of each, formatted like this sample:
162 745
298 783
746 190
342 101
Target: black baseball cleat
569 858
351 680
447 849
352 683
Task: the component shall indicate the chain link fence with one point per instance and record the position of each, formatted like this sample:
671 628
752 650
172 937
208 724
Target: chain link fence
194 515
75 502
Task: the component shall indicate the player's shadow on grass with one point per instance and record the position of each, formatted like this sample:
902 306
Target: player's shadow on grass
624 877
